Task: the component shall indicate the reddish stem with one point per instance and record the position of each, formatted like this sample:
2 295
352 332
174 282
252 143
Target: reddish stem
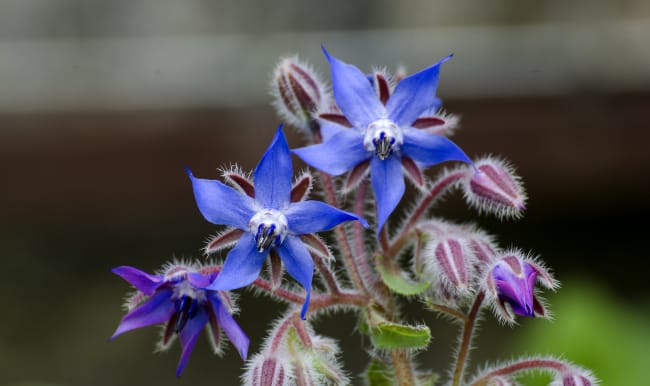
529 364
466 339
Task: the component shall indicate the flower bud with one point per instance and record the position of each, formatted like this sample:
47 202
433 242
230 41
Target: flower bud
266 370
298 92
575 377
510 284
493 187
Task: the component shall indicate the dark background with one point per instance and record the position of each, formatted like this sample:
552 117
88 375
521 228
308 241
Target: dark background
102 104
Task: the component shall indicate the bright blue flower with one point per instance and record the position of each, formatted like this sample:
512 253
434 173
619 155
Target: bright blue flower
178 298
269 221
380 133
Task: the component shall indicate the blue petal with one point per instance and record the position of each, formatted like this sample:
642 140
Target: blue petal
188 336
242 266
328 130
314 216
237 337
142 281
430 149
299 264
341 153
354 95
414 94
273 174
199 280
220 204
388 184
158 309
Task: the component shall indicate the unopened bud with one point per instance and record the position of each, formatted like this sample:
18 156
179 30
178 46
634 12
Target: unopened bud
493 187
266 371
448 259
575 377
298 92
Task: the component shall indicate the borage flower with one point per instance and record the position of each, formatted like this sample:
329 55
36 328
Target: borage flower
384 134
510 286
178 298
269 221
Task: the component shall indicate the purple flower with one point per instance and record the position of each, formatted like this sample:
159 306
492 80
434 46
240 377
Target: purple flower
268 219
511 285
179 299
383 133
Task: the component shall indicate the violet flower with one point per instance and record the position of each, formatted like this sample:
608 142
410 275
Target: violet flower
511 285
178 298
268 219
381 133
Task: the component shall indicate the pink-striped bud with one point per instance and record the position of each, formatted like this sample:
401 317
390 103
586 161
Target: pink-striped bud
298 93
266 371
575 377
493 187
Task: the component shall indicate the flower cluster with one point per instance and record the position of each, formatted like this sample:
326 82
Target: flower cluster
376 129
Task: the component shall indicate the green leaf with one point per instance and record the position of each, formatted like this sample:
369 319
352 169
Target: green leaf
396 281
379 374
388 335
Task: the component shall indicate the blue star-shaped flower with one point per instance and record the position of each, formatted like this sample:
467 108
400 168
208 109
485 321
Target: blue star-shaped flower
381 133
269 220
178 297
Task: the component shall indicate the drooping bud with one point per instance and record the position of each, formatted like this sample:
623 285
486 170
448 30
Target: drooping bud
298 93
266 370
493 187
575 377
510 285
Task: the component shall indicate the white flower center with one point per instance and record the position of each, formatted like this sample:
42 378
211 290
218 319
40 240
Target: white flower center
269 227
383 136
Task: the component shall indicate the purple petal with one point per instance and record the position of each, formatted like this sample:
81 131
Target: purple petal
142 281
221 204
236 335
273 174
158 309
188 336
353 93
199 280
414 94
242 266
430 149
314 216
299 264
341 153
388 184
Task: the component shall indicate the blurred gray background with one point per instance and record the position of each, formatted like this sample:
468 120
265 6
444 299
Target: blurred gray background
102 103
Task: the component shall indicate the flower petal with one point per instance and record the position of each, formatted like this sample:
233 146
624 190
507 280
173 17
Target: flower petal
353 93
414 94
142 281
429 149
299 264
242 266
158 309
388 184
221 204
341 153
236 335
315 216
198 280
188 336
272 176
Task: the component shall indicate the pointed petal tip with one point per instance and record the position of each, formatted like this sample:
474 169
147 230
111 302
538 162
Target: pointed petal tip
447 58
327 54
305 306
188 171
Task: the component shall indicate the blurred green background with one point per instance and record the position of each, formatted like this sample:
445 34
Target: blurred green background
103 103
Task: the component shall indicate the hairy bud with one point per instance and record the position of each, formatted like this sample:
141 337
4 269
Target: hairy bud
575 377
298 92
493 187
266 370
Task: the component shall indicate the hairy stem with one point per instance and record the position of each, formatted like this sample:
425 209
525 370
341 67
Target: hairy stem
325 271
529 364
438 188
466 339
404 373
